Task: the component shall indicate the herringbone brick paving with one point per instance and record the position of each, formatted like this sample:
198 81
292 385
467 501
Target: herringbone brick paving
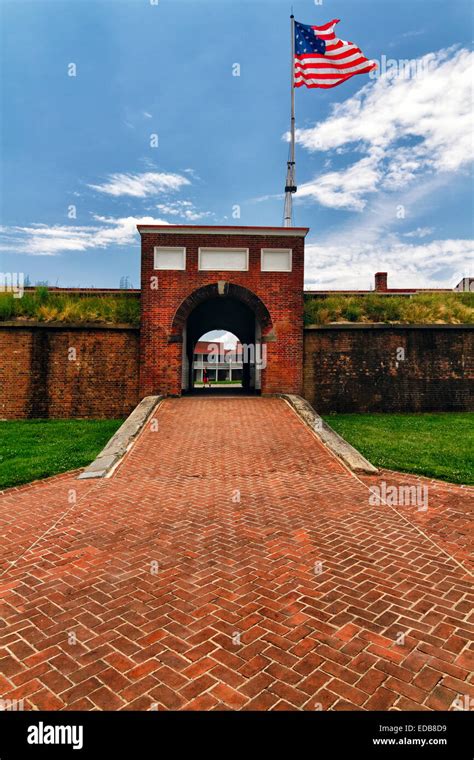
232 563
450 517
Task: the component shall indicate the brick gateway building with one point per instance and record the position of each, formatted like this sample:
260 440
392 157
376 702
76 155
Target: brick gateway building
246 280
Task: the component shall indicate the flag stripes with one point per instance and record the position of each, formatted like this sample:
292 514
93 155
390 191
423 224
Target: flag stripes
340 61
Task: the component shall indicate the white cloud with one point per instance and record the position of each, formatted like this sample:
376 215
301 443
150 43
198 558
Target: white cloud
343 189
192 173
403 127
44 240
141 185
263 198
342 264
413 33
420 232
348 255
183 209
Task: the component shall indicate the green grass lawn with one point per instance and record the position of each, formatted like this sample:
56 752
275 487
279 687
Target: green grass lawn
219 382
439 445
32 449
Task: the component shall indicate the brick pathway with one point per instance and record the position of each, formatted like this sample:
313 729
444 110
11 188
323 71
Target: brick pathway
231 563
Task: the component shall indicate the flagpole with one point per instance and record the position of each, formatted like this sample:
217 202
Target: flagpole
290 186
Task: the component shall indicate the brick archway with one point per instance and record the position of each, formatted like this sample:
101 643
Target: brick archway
215 290
240 276
229 306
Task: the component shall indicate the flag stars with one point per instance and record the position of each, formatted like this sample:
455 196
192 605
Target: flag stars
307 40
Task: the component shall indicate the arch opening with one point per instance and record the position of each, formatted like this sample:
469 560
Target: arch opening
217 361
230 308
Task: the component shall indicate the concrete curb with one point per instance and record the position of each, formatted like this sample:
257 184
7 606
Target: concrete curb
343 450
122 440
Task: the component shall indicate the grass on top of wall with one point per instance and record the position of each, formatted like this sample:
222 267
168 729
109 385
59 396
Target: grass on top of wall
435 444
33 449
46 306
422 308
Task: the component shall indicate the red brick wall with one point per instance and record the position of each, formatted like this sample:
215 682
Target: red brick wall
37 379
281 293
346 368
358 368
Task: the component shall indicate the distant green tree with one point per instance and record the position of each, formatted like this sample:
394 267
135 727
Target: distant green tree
125 283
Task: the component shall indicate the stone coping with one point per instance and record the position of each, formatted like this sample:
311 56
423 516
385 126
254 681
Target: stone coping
28 324
121 441
352 458
388 326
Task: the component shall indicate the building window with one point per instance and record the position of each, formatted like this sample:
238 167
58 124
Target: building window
169 258
276 259
224 259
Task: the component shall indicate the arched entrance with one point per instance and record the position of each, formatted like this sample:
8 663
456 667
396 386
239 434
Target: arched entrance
246 279
230 307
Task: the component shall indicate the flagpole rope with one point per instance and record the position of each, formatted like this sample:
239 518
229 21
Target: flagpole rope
290 186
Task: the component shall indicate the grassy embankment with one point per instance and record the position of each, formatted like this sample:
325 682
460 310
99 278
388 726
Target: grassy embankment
438 445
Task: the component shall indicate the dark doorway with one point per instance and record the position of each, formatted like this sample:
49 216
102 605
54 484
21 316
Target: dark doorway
234 316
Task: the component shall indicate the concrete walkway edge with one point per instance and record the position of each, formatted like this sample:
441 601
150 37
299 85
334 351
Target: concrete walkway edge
122 440
340 447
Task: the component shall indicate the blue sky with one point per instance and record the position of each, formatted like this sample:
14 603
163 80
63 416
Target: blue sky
383 164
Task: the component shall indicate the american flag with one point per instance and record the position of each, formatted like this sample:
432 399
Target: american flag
323 60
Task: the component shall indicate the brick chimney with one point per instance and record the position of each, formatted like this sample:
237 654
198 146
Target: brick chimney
381 282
